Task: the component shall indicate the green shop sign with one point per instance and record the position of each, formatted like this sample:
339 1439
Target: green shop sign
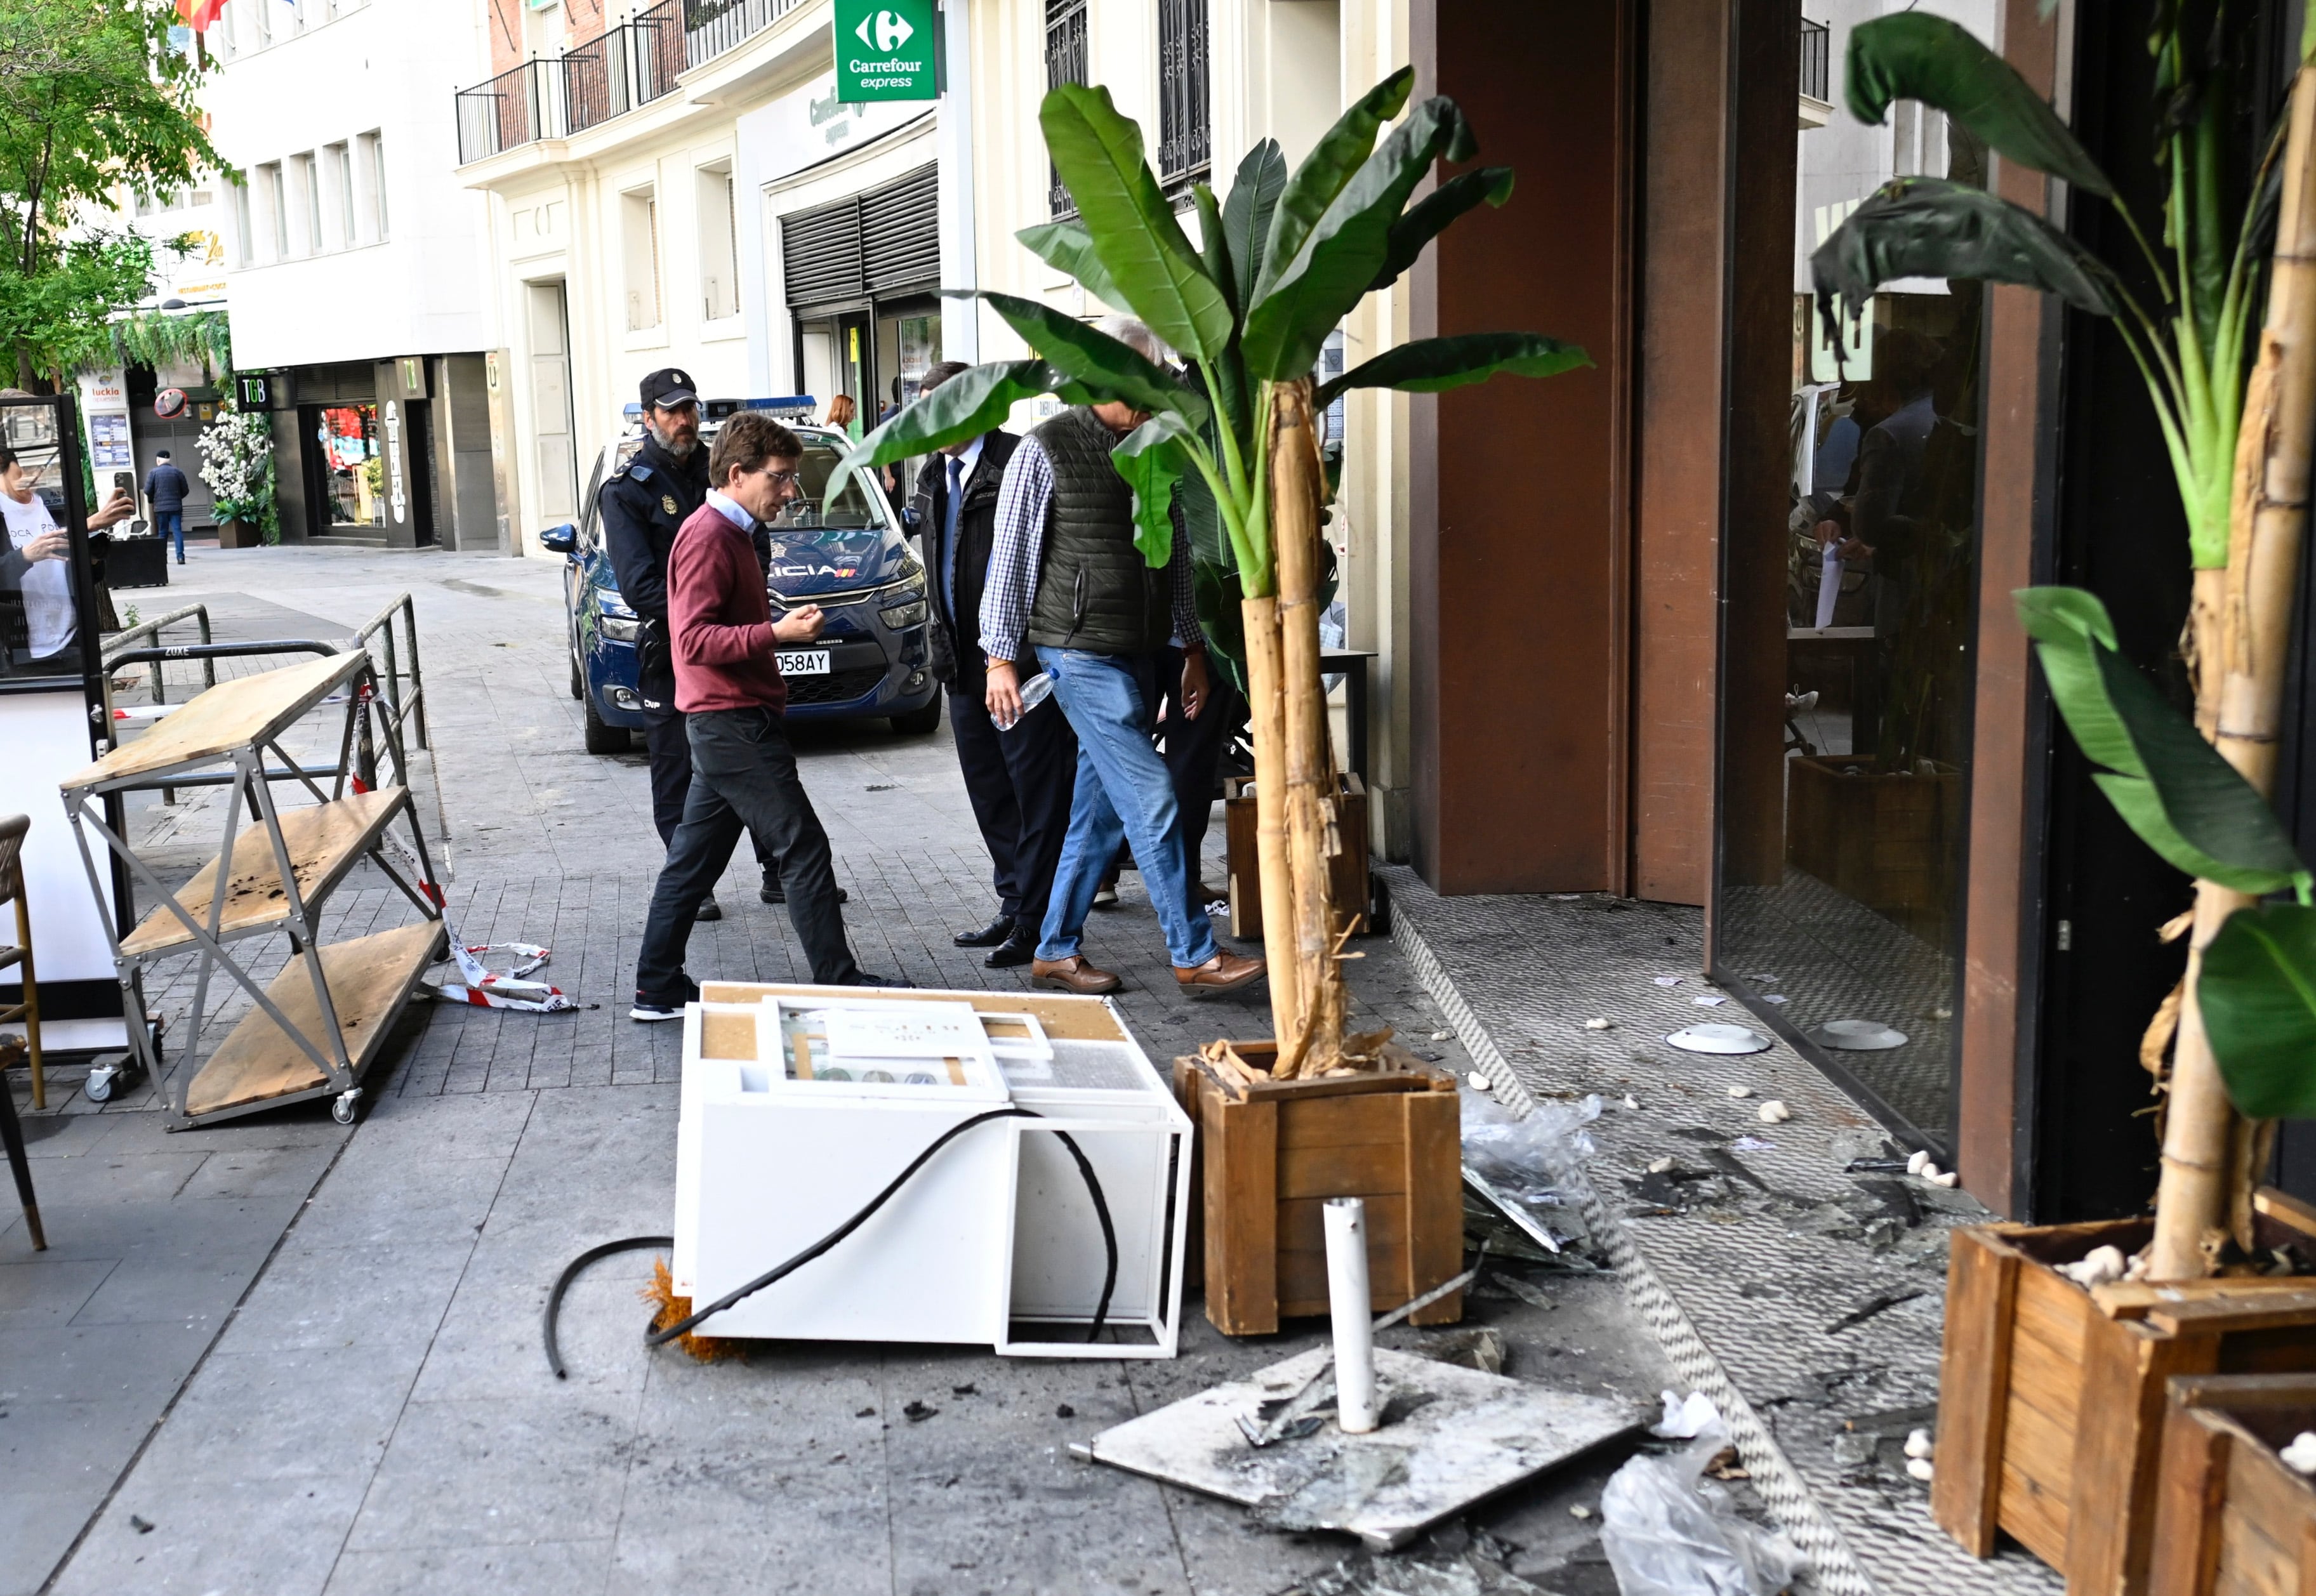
885 50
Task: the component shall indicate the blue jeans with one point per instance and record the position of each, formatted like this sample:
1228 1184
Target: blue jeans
169 523
1123 792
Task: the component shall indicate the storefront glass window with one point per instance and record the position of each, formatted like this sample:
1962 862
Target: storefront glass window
1841 896
40 620
353 472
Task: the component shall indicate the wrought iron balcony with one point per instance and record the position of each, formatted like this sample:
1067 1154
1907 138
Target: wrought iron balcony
1816 66
591 83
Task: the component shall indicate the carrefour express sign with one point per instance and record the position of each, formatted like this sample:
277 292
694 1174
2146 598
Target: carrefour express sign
885 50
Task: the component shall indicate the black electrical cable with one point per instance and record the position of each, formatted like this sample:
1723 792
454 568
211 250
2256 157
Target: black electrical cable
657 1337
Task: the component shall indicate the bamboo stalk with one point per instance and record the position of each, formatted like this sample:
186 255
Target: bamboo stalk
1258 617
2209 1155
1296 485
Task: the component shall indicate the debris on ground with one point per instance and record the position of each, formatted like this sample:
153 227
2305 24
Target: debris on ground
1919 1444
1527 1291
1741 1091
1453 1561
917 1413
2299 1457
1512 1163
1479 1082
673 1310
1775 1112
1481 1346
1064 1411
1598 1024
1669 1532
1881 1302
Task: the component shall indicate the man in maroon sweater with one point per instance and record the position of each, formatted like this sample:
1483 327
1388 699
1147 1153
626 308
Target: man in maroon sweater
727 684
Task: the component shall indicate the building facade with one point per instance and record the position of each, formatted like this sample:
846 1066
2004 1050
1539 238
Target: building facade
362 318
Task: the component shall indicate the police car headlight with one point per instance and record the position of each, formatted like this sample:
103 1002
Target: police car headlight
620 630
900 616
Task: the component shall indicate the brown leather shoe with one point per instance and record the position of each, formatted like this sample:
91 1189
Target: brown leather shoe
1073 974
1224 972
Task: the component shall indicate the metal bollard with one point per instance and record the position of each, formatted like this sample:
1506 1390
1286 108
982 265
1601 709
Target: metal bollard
1347 1301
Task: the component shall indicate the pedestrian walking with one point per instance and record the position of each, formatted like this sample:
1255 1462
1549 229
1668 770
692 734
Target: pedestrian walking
641 507
1019 779
1067 583
727 684
844 416
165 488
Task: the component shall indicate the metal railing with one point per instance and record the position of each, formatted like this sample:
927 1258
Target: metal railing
609 76
119 645
400 706
1817 69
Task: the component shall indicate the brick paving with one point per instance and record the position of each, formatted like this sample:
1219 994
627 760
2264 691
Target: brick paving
275 1355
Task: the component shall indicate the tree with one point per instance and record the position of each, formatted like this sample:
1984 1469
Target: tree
97 98
1280 261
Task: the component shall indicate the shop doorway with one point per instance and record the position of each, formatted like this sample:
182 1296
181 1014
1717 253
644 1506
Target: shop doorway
343 467
550 401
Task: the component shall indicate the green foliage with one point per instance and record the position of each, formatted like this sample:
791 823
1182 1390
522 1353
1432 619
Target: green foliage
156 338
1281 260
58 319
2258 993
2192 349
2170 787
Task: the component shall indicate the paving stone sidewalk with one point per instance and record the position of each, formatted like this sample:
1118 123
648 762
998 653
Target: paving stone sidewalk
281 1356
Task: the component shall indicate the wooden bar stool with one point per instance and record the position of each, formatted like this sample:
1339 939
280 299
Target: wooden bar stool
12 828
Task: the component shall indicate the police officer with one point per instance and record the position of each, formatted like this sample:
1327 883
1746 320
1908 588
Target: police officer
642 505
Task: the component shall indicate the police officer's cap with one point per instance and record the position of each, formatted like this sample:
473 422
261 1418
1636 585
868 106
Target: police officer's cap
669 387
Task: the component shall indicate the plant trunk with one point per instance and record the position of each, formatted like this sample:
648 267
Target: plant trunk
1267 709
2210 1157
1313 835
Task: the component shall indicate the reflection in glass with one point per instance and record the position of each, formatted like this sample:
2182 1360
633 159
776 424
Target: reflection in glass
39 615
1857 940
353 472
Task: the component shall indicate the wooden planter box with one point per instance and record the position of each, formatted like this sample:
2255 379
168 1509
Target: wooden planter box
239 534
1350 870
2231 1519
2051 1397
1272 1153
1886 841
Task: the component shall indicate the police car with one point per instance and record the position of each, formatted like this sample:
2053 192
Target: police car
850 558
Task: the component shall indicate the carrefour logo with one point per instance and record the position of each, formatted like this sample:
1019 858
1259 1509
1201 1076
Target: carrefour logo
885 30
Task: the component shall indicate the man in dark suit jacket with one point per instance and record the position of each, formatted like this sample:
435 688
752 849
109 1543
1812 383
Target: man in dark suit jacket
1020 780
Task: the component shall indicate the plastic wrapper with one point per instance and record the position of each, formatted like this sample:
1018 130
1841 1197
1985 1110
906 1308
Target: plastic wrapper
1519 1157
1670 1531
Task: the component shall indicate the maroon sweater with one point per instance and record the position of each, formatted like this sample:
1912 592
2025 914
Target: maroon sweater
720 621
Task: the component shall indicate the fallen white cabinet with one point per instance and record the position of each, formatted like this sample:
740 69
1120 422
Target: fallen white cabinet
800 1104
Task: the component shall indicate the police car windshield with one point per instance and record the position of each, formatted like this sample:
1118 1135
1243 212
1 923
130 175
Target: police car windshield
858 508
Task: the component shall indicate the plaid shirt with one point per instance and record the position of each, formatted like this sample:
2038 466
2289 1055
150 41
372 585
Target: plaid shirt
1024 499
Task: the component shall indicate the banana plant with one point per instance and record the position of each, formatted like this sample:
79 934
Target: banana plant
2191 344
1279 262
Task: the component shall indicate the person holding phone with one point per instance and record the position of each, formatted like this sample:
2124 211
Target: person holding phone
35 570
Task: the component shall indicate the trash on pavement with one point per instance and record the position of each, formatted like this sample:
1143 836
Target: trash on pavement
1857 1036
1598 1024
1719 1038
1669 1532
468 980
1775 1112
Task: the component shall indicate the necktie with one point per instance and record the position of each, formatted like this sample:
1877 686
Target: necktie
955 506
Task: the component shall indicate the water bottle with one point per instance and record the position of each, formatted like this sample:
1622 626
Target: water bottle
1035 691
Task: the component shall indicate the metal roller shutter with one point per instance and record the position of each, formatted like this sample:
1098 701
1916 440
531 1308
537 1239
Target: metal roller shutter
883 242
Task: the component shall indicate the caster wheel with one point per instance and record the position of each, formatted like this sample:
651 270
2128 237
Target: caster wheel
346 1105
100 1083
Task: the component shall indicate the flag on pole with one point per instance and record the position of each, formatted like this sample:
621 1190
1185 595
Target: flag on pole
199 13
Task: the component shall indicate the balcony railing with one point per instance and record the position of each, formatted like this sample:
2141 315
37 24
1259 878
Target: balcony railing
1816 66
588 84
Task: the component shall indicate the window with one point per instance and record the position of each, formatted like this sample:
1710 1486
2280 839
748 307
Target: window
273 195
1066 62
719 258
1182 131
639 218
370 164
337 172
261 12
245 241
305 202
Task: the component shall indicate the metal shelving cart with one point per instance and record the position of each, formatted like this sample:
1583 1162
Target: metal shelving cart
317 1027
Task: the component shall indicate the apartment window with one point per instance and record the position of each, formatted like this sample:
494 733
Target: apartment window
639 220
306 203
273 196
337 172
1182 135
245 241
719 239
1066 62
369 162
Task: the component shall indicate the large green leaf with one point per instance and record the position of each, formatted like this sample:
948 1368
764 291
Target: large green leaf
1151 460
1302 297
974 401
1214 243
1339 155
1067 248
1428 217
1928 227
1248 211
1215 585
2257 992
1915 55
1099 154
1104 366
1434 365
2170 787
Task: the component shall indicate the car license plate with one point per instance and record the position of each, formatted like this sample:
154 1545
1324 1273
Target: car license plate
803 662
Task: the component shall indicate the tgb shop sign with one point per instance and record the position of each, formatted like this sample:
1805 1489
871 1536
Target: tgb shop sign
397 496
885 50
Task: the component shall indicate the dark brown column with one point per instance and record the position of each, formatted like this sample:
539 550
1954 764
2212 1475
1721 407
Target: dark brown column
1519 489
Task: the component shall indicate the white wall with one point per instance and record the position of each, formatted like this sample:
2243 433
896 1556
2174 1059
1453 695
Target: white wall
387 70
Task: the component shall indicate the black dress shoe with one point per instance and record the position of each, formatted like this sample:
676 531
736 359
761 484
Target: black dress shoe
772 892
988 936
1018 949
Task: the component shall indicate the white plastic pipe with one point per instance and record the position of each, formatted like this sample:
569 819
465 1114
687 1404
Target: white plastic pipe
1347 1301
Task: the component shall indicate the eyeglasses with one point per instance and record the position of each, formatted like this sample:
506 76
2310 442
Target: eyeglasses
784 479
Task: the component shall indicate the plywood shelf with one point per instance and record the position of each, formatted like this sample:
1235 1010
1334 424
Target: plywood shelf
370 978
323 840
226 718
